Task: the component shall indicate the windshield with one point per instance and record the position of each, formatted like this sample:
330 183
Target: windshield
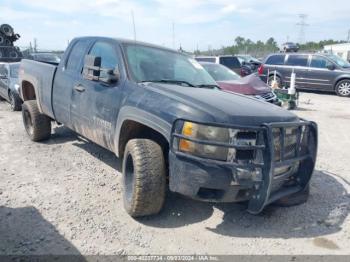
155 64
220 72
14 71
339 61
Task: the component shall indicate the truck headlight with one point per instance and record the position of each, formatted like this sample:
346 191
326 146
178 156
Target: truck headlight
204 133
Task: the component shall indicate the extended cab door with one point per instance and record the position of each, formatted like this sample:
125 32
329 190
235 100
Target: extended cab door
95 104
67 76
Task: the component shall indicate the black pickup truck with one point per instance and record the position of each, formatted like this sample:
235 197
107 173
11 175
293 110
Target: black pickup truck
164 115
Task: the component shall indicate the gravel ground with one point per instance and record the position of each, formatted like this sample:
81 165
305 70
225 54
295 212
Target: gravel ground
64 197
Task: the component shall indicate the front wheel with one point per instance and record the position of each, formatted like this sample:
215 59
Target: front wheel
343 88
144 179
294 199
37 125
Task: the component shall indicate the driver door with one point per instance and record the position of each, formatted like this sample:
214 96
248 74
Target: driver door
98 101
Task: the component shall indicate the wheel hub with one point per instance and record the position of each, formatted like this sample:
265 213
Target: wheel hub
344 89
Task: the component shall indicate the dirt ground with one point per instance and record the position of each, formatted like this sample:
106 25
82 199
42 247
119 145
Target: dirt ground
63 196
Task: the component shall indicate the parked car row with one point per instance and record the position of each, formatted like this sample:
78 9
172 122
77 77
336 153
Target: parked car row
235 63
166 117
320 71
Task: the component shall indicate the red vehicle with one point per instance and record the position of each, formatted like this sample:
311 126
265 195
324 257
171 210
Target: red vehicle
250 85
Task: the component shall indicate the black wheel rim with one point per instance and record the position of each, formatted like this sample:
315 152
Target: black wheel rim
129 178
28 122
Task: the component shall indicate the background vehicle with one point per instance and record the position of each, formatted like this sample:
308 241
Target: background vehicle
45 57
9 85
253 62
248 85
159 110
9 52
320 72
232 62
289 47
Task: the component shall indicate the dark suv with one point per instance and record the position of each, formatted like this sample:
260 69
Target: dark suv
321 72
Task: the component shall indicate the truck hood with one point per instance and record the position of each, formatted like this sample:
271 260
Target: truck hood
211 105
249 85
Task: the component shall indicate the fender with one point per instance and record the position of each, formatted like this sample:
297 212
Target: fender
341 77
33 81
138 115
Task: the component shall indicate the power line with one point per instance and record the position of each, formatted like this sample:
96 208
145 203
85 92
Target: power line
302 24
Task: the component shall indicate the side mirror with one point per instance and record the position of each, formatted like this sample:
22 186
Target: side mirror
92 67
109 76
331 67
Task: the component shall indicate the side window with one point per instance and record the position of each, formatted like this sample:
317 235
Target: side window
319 62
3 71
275 60
297 60
230 62
109 58
75 56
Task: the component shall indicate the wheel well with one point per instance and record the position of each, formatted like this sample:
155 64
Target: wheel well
132 129
341 79
28 91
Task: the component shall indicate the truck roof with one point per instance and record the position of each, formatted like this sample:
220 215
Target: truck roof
126 41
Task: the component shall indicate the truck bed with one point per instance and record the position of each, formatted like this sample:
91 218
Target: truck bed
42 74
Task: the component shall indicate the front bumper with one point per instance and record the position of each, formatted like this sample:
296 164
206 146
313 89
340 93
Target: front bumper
262 182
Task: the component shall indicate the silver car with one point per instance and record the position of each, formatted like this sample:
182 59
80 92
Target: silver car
9 85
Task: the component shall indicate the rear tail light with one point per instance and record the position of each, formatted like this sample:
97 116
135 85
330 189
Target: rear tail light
261 69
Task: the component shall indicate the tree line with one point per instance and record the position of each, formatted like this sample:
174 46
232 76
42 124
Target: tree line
260 49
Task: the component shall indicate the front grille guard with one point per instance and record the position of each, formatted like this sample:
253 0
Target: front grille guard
264 195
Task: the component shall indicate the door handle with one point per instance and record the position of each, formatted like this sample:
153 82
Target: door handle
79 88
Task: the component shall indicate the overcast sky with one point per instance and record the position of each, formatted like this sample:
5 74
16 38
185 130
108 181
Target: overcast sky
204 23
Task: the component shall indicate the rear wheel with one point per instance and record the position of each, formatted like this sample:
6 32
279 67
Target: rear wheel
15 101
278 81
343 88
37 125
144 179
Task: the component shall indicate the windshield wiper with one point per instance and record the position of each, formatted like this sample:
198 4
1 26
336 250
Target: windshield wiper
171 81
213 86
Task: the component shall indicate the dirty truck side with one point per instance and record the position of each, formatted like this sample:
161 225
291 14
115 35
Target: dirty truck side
163 114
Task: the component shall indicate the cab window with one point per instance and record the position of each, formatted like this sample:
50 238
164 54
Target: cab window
107 52
75 55
3 72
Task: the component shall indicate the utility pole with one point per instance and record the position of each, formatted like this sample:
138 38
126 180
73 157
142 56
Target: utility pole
133 23
302 24
173 35
348 36
35 46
